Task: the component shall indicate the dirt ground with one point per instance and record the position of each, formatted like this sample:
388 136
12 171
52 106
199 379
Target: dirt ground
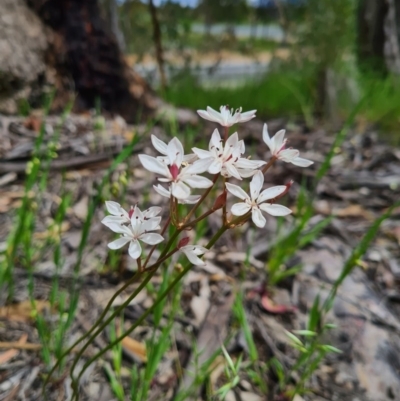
364 180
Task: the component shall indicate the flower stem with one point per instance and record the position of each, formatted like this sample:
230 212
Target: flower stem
75 382
155 246
200 201
116 312
269 164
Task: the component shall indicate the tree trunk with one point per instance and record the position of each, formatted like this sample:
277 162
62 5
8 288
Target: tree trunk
76 52
392 30
371 15
158 44
23 44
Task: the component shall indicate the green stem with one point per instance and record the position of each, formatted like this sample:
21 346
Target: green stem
75 382
155 246
98 321
200 201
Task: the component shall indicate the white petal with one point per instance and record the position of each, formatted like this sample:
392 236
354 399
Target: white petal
287 155
241 146
113 220
246 172
135 249
151 238
215 141
180 190
266 137
205 115
193 258
162 191
159 145
154 165
256 185
232 140
278 141
249 164
248 115
275 210
271 193
215 116
119 228
150 224
201 153
190 158
198 167
239 209
258 218
231 169
152 212
137 217
215 166
199 250
236 191
175 152
190 200
298 161
119 243
197 181
113 208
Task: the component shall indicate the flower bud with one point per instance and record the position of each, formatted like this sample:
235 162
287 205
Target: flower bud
220 201
183 242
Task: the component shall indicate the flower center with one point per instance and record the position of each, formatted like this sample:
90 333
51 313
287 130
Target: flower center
174 170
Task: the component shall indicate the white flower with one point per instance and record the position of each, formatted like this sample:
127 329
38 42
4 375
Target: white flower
180 178
162 147
227 159
254 202
226 117
138 229
121 216
191 199
277 146
192 252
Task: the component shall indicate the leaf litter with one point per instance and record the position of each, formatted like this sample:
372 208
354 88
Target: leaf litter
361 184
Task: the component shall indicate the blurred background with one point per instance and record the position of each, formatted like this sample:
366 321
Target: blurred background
308 59
84 84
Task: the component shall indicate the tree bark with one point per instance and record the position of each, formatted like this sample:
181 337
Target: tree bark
371 15
23 45
392 31
80 53
158 44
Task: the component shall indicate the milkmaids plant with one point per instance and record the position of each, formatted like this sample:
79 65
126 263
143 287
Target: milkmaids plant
179 174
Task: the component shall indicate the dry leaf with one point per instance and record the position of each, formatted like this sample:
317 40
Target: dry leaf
135 348
270 306
23 311
353 211
12 353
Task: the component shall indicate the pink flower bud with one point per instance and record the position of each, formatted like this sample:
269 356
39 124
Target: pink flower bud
220 201
183 242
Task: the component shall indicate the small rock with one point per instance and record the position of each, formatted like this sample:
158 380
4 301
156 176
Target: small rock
247 396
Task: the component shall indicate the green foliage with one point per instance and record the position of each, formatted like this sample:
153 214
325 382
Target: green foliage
327 32
231 11
278 93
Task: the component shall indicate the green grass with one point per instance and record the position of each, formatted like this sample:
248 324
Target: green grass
291 93
275 95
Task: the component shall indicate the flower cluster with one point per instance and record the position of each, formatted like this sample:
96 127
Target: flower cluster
180 174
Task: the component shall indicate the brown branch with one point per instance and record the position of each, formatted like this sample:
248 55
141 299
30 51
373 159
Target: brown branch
157 43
